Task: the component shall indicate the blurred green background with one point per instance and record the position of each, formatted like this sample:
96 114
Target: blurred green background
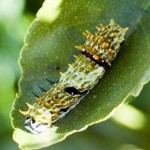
129 129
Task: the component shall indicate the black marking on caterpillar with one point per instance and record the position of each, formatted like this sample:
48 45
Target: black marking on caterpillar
102 62
42 89
72 91
53 67
35 95
97 55
51 82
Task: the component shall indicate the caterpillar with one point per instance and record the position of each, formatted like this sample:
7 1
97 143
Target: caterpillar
96 56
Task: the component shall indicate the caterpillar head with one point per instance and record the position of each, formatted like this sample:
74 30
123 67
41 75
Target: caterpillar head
38 118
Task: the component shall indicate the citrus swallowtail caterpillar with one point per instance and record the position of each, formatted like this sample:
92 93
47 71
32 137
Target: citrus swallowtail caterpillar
97 54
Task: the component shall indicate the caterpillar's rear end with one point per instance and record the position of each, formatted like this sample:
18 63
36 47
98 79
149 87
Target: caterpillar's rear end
97 54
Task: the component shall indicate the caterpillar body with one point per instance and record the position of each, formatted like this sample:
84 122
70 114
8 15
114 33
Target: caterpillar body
97 54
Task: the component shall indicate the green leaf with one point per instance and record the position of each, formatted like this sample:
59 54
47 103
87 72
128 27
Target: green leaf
49 47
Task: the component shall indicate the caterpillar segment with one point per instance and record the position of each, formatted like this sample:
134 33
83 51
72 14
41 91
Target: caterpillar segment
97 54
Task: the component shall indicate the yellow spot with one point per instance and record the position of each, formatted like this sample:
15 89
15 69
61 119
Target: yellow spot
111 51
70 65
25 113
40 111
126 29
80 47
96 35
88 47
114 34
101 25
106 45
102 39
88 33
108 62
76 56
90 66
55 98
62 74
56 110
85 34
29 105
38 99
48 120
98 28
66 104
46 104
93 51
112 22
96 57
